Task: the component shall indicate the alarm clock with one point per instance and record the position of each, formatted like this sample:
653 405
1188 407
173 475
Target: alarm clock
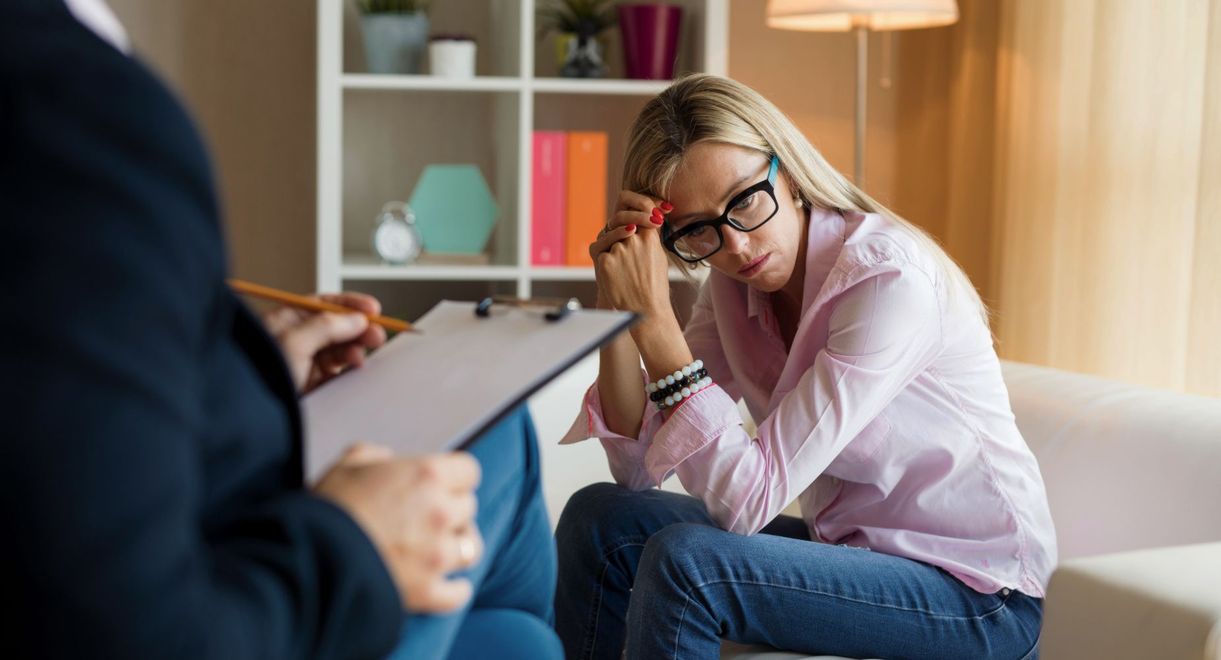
396 239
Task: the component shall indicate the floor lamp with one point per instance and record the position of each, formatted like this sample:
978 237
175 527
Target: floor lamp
860 16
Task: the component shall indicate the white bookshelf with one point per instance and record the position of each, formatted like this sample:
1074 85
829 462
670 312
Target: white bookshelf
375 133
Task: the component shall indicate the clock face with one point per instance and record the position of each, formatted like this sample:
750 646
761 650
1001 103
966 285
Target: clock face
396 242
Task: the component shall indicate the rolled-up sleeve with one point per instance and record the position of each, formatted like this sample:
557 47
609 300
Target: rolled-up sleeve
626 455
885 328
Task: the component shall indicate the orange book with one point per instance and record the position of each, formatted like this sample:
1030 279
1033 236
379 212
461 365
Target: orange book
586 194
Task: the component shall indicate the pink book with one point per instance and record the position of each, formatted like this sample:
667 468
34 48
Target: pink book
548 206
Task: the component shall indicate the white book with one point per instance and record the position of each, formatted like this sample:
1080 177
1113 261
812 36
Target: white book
440 388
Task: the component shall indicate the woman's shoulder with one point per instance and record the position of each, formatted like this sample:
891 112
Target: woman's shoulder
875 243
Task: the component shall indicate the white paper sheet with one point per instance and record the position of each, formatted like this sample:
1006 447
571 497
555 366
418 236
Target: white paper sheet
432 391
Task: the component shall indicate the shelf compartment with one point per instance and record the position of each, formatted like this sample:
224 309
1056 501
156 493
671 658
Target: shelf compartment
390 138
612 115
492 23
693 54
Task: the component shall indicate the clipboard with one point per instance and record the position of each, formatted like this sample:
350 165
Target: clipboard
440 389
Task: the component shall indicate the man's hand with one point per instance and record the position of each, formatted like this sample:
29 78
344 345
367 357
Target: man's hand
419 513
320 345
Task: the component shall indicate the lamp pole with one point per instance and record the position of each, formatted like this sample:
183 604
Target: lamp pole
862 87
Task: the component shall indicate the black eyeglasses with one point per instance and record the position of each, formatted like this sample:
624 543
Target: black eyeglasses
747 211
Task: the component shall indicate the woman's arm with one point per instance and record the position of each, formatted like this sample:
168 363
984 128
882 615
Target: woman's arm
619 385
619 388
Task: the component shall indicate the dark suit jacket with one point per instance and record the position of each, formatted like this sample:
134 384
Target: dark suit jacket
151 474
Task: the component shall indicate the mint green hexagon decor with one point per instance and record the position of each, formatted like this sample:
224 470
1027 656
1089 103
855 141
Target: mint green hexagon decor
454 209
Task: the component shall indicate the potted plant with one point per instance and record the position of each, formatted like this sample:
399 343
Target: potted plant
396 34
579 25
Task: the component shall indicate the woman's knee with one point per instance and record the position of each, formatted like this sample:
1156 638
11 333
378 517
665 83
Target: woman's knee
672 555
593 511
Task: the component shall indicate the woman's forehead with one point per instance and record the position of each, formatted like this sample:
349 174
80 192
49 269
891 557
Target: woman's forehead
712 171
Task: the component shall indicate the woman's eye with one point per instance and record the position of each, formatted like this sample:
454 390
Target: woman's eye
698 232
746 201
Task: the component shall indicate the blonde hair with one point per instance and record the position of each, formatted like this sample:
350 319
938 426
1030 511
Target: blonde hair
707 108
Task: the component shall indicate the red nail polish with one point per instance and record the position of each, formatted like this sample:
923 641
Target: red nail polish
631 229
657 220
667 207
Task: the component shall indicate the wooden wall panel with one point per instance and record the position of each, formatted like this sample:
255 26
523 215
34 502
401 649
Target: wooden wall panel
1101 127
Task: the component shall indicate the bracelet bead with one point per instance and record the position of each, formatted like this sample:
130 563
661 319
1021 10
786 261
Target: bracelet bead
671 389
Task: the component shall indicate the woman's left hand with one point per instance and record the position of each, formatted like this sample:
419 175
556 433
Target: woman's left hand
633 274
320 345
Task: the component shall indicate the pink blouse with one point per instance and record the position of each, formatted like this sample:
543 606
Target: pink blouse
888 419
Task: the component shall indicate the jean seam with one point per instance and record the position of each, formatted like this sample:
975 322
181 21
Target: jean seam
682 617
592 631
1033 649
1004 602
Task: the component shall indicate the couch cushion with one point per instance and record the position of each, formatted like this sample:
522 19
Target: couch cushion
1126 467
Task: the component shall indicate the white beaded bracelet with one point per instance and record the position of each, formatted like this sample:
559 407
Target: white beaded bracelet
687 392
677 375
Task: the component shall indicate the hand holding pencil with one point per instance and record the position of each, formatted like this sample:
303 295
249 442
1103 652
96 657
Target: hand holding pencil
321 336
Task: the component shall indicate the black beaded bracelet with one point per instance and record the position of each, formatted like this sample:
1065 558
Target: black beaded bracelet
678 385
669 391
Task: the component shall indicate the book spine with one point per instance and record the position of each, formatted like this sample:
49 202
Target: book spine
587 211
549 188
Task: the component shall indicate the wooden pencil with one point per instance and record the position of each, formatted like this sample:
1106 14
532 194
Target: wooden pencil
313 304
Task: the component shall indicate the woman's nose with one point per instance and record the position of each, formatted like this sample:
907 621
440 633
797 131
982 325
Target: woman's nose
735 241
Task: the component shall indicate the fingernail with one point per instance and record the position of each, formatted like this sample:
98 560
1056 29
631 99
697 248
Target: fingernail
657 220
667 207
657 215
631 229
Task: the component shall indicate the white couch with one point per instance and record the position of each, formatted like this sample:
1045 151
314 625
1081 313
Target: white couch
1134 480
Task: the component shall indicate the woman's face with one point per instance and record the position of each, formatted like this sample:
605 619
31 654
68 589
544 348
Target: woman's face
710 175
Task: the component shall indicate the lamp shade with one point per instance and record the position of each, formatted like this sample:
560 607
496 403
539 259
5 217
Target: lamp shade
843 15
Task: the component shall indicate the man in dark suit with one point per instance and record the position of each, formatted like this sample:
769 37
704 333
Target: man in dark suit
151 475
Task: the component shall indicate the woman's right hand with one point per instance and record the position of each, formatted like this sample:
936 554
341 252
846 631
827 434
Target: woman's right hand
633 212
420 514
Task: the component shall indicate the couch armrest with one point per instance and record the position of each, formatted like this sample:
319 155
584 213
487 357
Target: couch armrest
1159 603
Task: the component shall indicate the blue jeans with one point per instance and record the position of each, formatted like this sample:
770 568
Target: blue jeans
511 612
651 573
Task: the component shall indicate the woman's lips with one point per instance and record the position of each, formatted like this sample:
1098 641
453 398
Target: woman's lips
754 266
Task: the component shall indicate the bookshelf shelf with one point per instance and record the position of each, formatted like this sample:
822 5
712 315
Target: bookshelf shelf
624 87
371 145
432 83
368 268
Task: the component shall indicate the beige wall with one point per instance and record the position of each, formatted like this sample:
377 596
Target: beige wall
246 71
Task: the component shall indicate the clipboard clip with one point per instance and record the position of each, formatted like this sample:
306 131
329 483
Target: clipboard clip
558 307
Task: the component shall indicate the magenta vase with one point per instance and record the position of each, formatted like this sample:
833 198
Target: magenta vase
650 39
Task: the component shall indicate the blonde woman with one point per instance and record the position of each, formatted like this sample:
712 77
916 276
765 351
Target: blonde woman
865 354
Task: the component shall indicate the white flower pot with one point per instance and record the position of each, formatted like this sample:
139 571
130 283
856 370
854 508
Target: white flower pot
452 58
